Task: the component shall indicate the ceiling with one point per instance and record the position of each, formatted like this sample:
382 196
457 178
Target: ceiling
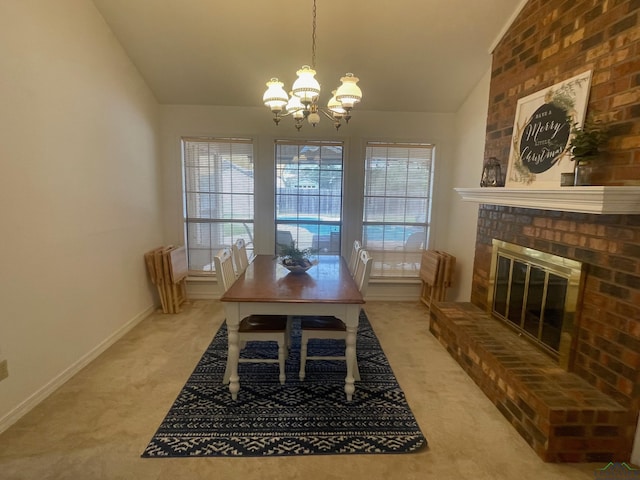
410 55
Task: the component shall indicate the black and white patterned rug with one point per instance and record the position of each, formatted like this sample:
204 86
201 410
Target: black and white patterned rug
299 418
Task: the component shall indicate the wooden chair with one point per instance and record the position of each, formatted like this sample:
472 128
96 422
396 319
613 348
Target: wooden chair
429 274
436 273
353 259
260 328
328 327
283 237
240 257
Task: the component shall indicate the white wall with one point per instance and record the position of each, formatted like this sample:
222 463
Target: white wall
182 120
79 194
470 132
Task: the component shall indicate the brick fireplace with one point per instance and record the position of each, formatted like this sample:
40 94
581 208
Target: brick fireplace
592 415
587 410
536 294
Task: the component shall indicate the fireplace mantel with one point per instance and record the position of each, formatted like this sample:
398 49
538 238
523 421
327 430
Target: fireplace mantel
591 199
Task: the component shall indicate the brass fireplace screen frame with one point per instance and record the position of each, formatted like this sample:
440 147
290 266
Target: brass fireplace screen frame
553 266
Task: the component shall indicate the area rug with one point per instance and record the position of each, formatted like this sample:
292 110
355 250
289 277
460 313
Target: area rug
310 417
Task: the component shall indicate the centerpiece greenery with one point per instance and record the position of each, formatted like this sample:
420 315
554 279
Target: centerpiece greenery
295 259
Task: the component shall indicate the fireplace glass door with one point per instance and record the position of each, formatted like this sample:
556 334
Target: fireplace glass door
535 293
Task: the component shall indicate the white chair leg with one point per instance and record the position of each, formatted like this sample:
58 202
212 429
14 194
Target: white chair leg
288 332
227 371
281 360
303 356
227 374
356 371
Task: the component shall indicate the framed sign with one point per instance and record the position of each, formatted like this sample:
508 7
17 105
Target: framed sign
541 130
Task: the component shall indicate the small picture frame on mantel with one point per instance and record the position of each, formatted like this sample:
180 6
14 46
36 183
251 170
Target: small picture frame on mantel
541 131
567 179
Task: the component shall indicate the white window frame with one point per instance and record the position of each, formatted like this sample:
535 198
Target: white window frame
218 201
315 185
386 230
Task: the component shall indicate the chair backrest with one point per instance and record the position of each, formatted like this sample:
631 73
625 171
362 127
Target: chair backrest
415 241
283 237
225 273
353 259
240 257
363 271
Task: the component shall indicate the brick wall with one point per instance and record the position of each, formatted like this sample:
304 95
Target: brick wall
552 40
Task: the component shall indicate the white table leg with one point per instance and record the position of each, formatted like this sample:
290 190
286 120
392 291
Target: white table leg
349 386
233 349
353 314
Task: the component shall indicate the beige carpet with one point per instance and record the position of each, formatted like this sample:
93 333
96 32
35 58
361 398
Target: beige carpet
96 425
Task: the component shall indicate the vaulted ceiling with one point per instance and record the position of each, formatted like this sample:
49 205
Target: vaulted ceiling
410 55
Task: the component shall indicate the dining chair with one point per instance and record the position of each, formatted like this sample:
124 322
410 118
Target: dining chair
412 249
254 328
283 237
353 259
240 257
406 255
328 327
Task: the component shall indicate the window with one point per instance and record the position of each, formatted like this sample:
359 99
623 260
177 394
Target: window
397 205
309 195
218 197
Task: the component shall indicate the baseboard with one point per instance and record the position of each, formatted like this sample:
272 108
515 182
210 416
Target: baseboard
391 298
202 296
27 405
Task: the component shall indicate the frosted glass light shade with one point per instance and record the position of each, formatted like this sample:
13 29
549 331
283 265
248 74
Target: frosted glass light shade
335 107
348 94
295 105
275 97
306 87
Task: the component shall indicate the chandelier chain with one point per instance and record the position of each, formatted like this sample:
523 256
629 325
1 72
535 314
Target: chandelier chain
303 103
313 38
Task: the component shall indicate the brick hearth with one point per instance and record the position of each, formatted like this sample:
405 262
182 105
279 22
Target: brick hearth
559 414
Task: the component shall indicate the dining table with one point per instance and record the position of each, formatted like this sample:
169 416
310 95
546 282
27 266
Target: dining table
267 288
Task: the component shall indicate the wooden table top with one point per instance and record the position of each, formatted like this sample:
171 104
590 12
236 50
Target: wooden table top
265 280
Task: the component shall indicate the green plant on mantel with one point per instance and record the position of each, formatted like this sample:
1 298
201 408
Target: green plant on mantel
588 141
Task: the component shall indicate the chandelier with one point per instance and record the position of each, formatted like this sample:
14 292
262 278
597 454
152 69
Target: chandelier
303 99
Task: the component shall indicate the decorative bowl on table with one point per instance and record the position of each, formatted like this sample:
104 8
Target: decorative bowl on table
298 267
294 259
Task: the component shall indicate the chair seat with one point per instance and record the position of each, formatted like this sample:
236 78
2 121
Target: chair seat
254 328
325 327
323 323
263 323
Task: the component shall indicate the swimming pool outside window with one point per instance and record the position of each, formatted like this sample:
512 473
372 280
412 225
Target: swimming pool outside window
309 195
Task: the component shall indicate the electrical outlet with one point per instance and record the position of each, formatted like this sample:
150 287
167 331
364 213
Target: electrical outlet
4 370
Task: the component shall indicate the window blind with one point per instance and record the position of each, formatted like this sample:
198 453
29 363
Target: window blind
397 205
309 195
218 197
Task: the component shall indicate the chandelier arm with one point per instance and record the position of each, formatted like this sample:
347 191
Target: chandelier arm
327 114
288 114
